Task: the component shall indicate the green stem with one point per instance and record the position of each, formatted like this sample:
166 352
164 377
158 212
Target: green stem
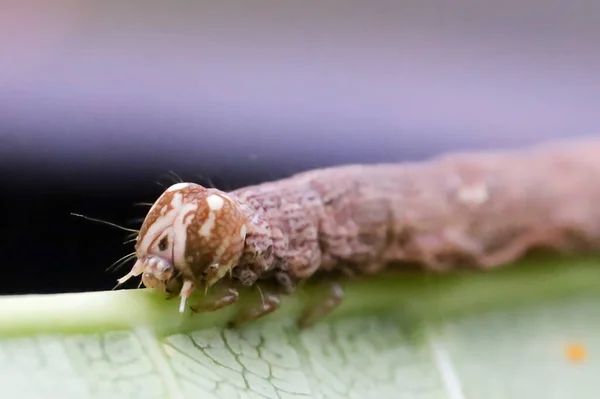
427 296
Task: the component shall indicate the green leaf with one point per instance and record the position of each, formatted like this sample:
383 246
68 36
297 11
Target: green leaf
528 331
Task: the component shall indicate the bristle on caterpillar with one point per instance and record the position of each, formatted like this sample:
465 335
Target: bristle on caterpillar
192 236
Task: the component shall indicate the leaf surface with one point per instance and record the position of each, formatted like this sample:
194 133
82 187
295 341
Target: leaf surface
529 332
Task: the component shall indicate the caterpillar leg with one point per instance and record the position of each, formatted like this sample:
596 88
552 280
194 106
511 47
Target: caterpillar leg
186 291
269 302
224 296
318 310
550 238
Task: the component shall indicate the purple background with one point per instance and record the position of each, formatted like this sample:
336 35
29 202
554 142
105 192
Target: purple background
99 98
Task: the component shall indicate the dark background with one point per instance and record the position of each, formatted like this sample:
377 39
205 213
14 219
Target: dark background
99 100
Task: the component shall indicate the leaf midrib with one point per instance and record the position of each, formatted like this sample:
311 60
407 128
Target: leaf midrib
150 342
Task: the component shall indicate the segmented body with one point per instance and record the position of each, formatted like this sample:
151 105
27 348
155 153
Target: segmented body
480 209
477 210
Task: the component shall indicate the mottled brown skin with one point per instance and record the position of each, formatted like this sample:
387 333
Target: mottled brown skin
481 210
223 246
472 210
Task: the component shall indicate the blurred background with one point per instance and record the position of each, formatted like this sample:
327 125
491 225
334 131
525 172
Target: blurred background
100 100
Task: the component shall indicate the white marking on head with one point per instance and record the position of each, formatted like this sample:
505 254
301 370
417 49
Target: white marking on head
177 186
173 219
161 223
180 231
215 202
207 226
243 231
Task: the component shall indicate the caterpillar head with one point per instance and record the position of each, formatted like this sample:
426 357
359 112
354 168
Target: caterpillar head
191 236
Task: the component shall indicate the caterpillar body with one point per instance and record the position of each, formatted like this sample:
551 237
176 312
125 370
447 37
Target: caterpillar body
478 209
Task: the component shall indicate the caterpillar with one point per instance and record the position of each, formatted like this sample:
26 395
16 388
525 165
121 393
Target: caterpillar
479 210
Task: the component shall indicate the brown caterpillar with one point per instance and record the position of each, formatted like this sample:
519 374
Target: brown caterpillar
480 209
